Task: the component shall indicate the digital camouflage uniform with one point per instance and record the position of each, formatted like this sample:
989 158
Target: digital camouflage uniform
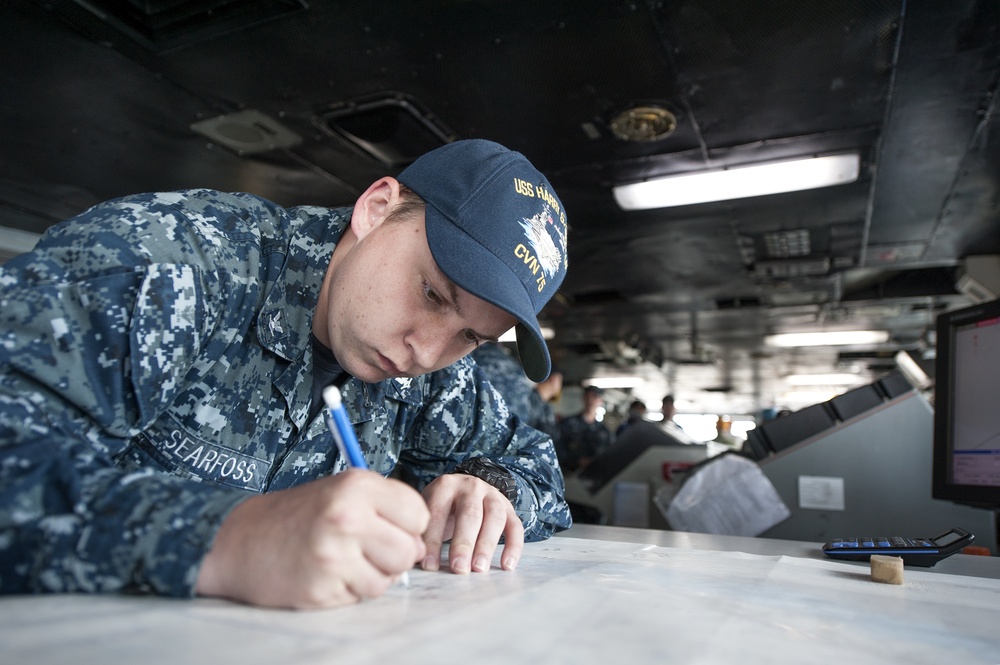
156 369
517 390
580 441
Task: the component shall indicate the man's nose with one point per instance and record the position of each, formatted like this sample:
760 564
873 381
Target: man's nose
429 345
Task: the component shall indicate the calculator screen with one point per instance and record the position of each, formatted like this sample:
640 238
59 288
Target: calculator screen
946 539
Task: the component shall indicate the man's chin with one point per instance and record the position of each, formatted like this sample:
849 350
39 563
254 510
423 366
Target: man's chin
369 373
374 372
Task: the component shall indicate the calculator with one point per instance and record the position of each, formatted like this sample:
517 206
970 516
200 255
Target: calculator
914 551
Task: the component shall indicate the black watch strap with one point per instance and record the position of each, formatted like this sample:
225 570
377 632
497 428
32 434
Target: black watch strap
492 473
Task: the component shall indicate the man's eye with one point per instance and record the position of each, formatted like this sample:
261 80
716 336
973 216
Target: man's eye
431 294
471 337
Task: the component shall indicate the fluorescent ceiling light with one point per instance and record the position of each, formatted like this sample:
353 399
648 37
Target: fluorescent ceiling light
605 382
823 379
739 182
912 371
832 338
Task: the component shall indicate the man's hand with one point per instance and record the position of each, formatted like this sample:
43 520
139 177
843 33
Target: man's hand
329 542
473 514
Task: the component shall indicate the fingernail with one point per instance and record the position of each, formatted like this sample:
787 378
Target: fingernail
509 563
429 563
460 565
481 564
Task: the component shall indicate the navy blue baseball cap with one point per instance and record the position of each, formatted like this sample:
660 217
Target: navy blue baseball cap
496 229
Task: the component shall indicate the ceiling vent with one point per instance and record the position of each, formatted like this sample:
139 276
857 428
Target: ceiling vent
392 128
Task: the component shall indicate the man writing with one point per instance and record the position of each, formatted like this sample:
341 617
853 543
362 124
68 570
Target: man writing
161 366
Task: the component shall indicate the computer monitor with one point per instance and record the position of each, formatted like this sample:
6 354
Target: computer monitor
966 407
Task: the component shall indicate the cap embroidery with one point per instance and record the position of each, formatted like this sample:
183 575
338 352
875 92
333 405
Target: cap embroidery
543 252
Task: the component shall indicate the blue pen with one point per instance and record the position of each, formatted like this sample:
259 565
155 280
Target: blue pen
340 427
347 441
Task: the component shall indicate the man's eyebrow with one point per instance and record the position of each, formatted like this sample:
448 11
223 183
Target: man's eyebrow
453 297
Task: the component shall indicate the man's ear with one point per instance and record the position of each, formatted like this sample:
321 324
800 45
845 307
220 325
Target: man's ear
374 206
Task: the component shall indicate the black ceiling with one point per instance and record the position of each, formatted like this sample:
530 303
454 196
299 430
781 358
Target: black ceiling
100 99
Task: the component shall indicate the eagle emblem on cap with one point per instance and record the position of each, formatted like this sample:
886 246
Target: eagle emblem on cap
539 236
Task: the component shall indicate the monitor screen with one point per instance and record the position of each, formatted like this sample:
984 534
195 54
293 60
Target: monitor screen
966 406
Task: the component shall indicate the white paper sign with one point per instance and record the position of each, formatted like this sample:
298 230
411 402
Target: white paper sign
821 493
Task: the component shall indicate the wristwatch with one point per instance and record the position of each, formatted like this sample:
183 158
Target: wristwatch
492 473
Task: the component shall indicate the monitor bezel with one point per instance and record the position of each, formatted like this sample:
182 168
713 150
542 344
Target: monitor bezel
943 485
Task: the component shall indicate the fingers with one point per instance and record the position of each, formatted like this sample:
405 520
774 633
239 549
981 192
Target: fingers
439 528
340 539
395 504
474 515
391 550
329 542
478 528
389 539
369 546
513 544
468 526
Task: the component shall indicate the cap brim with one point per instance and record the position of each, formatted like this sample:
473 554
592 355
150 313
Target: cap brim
475 269
533 353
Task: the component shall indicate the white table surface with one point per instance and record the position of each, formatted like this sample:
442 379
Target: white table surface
591 595
957 564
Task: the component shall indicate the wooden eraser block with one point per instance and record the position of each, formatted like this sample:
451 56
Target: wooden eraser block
887 569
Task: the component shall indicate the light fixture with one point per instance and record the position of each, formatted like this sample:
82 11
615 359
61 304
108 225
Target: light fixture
248 132
830 338
739 182
643 123
912 370
605 382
